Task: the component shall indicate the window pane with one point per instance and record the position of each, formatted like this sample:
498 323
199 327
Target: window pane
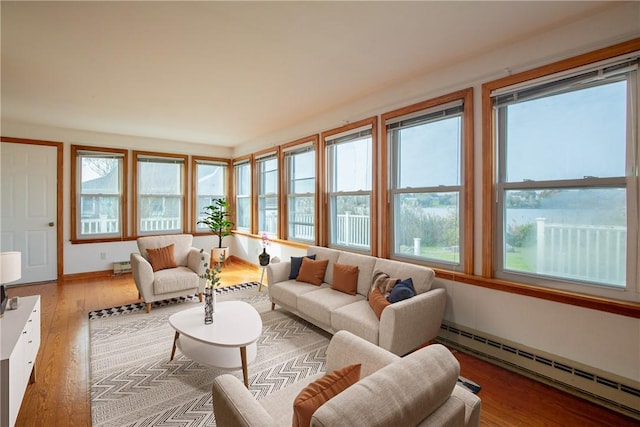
351 170
350 221
100 175
160 213
302 170
268 215
429 154
243 196
210 186
99 215
100 196
159 178
426 225
243 212
579 234
243 179
269 176
568 135
160 196
211 178
301 218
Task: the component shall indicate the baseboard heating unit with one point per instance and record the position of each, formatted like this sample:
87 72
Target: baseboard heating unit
121 267
603 388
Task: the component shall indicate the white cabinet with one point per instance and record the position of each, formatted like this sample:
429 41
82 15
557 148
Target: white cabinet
20 340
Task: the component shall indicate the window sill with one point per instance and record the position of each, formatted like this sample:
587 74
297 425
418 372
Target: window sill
622 308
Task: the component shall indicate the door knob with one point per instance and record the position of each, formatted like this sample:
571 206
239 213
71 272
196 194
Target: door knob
51 224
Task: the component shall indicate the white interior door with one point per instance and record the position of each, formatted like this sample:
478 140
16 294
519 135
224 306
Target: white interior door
28 208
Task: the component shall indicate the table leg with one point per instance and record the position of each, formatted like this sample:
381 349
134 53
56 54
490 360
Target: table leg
175 339
245 374
261 278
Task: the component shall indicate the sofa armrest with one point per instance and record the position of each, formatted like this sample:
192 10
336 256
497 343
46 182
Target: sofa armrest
142 275
234 406
278 272
346 349
472 405
408 324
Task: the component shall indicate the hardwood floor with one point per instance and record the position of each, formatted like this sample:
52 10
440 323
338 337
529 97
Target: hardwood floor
61 394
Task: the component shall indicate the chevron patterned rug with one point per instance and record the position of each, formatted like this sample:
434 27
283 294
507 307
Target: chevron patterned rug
133 383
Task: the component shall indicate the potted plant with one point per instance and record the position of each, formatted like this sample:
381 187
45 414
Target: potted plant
217 219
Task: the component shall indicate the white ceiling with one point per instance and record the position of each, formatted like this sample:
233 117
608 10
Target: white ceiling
225 73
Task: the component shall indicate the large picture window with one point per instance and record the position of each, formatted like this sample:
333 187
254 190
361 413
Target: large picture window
242 176
300 175
210 182
98 192
426 145
349 157
566 179
267 186
160 186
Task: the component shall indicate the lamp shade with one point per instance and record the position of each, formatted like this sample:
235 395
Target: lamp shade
10 266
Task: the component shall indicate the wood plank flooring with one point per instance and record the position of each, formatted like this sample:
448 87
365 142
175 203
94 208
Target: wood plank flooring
61 394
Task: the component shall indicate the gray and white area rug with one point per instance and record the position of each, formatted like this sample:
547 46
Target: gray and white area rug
133 383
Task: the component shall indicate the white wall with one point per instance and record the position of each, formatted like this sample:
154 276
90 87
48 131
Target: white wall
606 341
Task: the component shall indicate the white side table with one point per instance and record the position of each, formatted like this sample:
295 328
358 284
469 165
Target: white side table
229 342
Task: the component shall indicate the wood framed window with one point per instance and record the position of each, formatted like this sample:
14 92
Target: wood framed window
160 189
98 193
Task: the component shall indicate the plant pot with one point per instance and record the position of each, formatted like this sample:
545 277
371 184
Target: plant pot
218 255
264 258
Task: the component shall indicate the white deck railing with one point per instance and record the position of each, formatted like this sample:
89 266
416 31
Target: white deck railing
583 252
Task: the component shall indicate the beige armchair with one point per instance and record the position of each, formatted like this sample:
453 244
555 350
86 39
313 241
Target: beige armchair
183 279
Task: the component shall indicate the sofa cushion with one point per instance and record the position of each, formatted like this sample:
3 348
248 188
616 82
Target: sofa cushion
381 399
162 258
287 292
401 291
174 280
321 391
422 276
312 271
345 278
318 305
296 262
357 318
329 254
378 302
365 263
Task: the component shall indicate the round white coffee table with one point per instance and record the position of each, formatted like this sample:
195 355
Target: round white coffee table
236 325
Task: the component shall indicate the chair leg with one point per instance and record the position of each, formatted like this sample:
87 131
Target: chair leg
200 296
148 307
273 306
139 296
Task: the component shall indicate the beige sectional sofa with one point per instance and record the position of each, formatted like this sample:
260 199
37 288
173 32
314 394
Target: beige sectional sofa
402 327
416 390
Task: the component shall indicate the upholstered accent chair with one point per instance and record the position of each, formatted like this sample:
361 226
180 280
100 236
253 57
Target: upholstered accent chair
167 267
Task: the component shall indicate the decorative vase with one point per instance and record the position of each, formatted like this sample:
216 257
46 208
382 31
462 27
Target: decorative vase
209 305
264 258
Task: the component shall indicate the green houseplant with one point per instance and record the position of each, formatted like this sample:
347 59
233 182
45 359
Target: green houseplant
216 217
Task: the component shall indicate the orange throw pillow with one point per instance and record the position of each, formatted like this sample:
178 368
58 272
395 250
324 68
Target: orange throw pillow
162 258
345 278
312 271
378 302
320 391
